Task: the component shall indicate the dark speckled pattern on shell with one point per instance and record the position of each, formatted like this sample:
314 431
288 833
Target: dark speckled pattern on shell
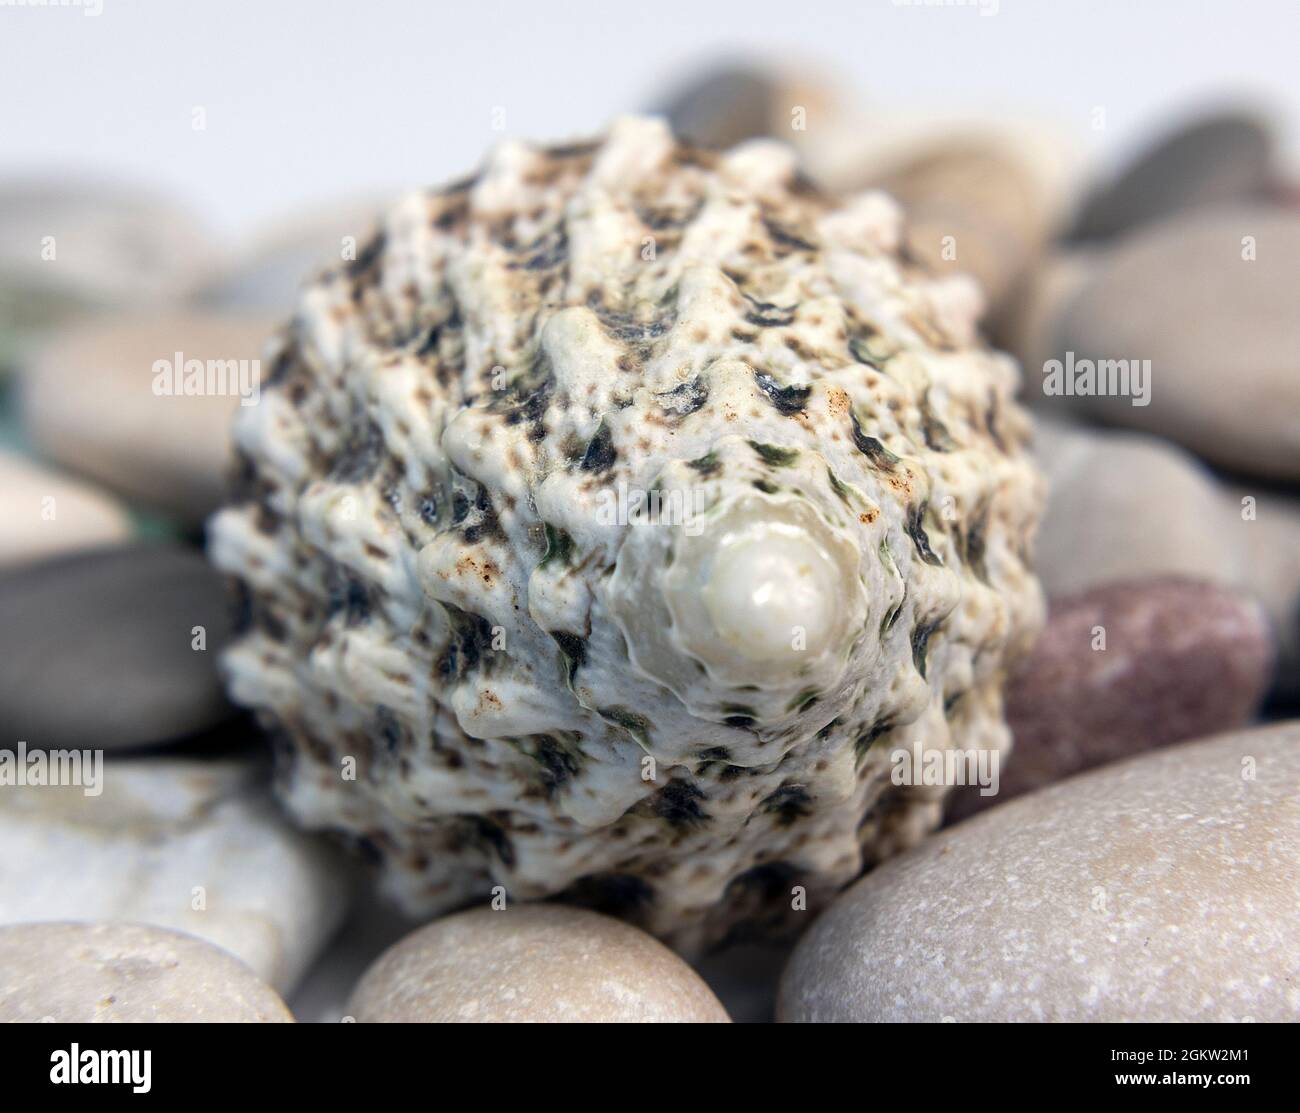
433 590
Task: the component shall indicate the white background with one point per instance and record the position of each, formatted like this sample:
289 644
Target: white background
309 102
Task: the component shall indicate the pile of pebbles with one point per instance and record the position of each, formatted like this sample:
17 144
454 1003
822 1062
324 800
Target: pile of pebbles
1141 856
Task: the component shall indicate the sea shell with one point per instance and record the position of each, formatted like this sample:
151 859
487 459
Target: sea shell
610 520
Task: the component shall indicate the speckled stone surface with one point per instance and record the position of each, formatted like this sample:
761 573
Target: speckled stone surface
1129 667
123 973
196 846
532 963
548 685
1163 888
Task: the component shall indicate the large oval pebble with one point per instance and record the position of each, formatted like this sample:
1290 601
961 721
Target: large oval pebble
1162 888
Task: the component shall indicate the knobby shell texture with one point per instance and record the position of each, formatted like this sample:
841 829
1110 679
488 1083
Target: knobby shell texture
677 708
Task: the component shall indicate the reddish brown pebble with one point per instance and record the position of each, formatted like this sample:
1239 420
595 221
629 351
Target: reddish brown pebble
1129 667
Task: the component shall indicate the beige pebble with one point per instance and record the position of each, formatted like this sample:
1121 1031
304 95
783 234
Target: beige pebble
106 973
1162 888
982 197
972 209
91 404
1122 506
1210 301
43 513
535 962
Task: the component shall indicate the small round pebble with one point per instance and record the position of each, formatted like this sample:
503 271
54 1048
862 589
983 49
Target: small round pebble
126 973
1162 888
532 962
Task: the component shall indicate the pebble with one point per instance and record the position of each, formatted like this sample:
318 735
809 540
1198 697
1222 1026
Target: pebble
1107 488
538 962
1162 888
1028 326
724 106
119 973
1268 523
196 846
69 247
1123 506
90 404
743 976
976 207
1127 667
1209 300
45 514
101 647
1214 159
